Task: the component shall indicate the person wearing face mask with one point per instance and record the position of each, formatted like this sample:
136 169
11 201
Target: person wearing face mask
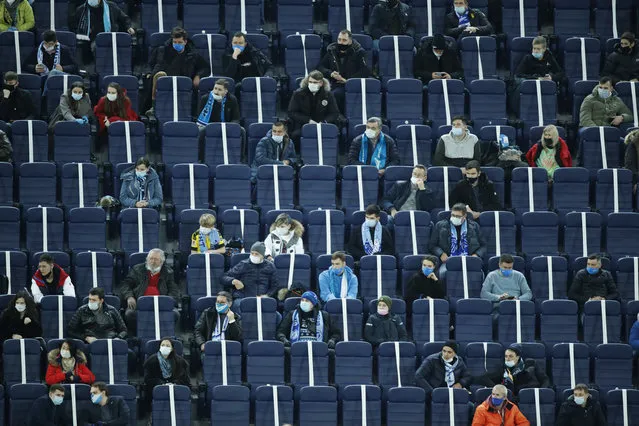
50 57
98 16
275 148
165 367
16 15
75 105
391 17
312 103
593 283
243 60
457 147
372 238
436 60
383 326
539 64
218 323
140 186
20 319
50 279
414 194
603 107
107 410
581 409
374 148
505 283
49 409
623 63
339 281
308 323
114 106
97 320
15 102
207 239
464 21
285 237
443 369
476 191
218 106
497 410
551 152
424 284
68 364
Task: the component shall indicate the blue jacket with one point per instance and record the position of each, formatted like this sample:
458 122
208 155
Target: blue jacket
633 339
257 279
331 284
267 150
131 188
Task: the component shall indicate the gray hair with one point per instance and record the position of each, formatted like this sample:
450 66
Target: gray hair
375 120
159 251
501 389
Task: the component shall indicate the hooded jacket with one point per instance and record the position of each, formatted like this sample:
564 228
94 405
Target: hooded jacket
432 373
529 377
562 155
100 112
386 328
61 280
331 333
596 111
622 66
487 415
584 286
440 239
392 153
187 64
136 283
399 193
258 279
488 198
531 68
85 323
130 189
454 152
81 373
330 284
268 151
350 64
571 414
476 18
275 245
383 19
206 325
305 105
238 68
426 63
25 21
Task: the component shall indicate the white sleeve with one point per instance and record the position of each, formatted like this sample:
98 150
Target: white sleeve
35 291
68 289
268 243
299 246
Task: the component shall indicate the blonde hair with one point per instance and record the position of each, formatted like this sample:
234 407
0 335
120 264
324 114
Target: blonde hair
632 137
207 220
551 129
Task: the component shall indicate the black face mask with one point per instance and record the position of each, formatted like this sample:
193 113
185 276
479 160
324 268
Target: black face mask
471 180
343 47
625 49
8 87
548 142
392 3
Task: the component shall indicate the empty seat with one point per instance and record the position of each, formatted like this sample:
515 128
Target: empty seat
516 321
293 17
173 99
402 94
258 100
473 319
241 225
113 54
412 233
293 269
359 189
499 231
212 372
570 190
599 148
199 281
127 141
318 405
33 177
155 317
230 405
531 111
529 190
139 229
613 191
6 183
429 327
442 180
171 401
548 278
275 187
566 358
325 231
14 267
538 404
353 364
627 270
558 321
446 99
15 47
363 99
302 54
620 241
190 188
414 144
345 15
571 19
79 185
317 189
196 21
179 143
56 313
582 57
232 187
464 277
378 277
479 58
396 57
517 21
539 234
597 331
359 401
449 406
155 20
21 399
622 405
45 229
267 316
613 361
244 16
93 269
87 229
309 364
71 142
10 224
265 363
484 357
266 398
222 144
350 325
487 101
395 365
21 362
576 225
109 360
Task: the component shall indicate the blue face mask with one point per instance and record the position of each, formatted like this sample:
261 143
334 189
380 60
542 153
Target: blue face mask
178 47
496 401
96 398
140 174
538 55
57 400
460 10
221 308
338 271
591 270
506 272
427 271
237 46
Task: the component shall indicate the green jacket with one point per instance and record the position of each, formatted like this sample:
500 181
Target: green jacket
596 111
24 17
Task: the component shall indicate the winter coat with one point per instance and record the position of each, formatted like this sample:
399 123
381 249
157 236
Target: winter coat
399 193
432 373
11 323
85 323
153 372
631 160
5 147
349 64
596 111
67 61
206 325
387 328
44 413
633 338
447 145
136 283
231 109
562 155
476 18
258 279
465 193
421 287
356 245
392 154
532 68
487 415
331 333
268 151
529 377
25 21
80 373
237 69
100 113
276 245
330 284
584 286
18 106
426 63
621 66
187 64
571 414
66 112
320 107
120 21
440 239
130 189
382 20
117 408
61 282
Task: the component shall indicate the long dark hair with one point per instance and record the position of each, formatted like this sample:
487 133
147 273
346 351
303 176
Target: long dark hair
72 102
72 347
118 107
31 311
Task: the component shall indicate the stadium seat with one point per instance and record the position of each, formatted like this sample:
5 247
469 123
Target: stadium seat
489 222
245 16
109 360
619 235
442 180
414 144
113 53
252 331
612 362
171 401
318 405
595 154
10 224
360 400
570 191
353 364
568 357
613 193
17 353
473 321
136 223
301 365
241 225
302 52
293 269
353 321
127 142
56 313
71 142
539 234
86 229
517 21
395 359
32 178
74 175
580 51
530 399
266 397
594 331
487 101
190 188
548 278
259 98
196 21
222 145
440 408
83 277
352 198
479 59
622 405
173 99
516 324
39 219
363 99
15 47
156 318
230 405
464 277
154 20
446 99
275 187
264 363
212 372
396 58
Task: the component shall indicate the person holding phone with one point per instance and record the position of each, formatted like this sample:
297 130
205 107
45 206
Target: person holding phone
437 60
505 283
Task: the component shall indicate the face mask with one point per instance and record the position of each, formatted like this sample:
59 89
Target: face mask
140 174
510 364
49 49
391 3
415 180
603 93
217 97
496 401
427 271
457 131
77 96
313 87
460 10
255 259
165 350
281 231
506 272
625 50
306 306
221 308
370 133
153 270
94 306
471 180
20 307
9 87
204 230
93 3
382 311
548 142
57 400
112 96
579 400
178 47
591 270
448 360
439 55
96 398
339 270
538 55
10 2
65 354
237 46
456 220
342 47
277 138
371 223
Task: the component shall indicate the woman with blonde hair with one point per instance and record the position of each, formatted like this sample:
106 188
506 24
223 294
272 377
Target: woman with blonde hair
285 237
551 152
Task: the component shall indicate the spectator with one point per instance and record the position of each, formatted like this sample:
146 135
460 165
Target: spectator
631 155
456 237
275 148
106 410
285 237
15 103
373 238
633 338
99 16
177 57
218 106
312 103
603 107
165 367
97 320
75 105
540 64
50 279
551 152
424 284
410 195
344 59
114 106
383 326
623 63
20 319
580 409
6 150
151 278
476 191
68 364
140 186
443 370
458 147
391 18
218 323
498 410
464 21
308 323
207 239
436 60
244 60
592 283
505 283
339 281
374 147
50 409
16 16
50 58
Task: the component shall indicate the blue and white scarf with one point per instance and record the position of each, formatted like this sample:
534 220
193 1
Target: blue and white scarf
217 333
378 159
372 247
214 239
295 327
142 184
84 26
56 57
165 366
449 376
205 115
464 20
459 248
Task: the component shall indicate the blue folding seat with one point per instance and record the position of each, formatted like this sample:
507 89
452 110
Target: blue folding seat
539 234
302 52
199 282
537 352
508 323
14 267
473 319
440 407
222 145
12 58
483 356
30 141
214 376
441 181
409 265
594 333
340 18
10 224
173 99
441 111
109 360
403 101
300 372
132 221
353 364
70 185
299 271
190 188
232 187
378 277
129 395
275 187
396 58
612 363
622 405
128 83
429 17
363 99
318 405
412 233
360 400
37 238
113 55
179 143
568 357
548 272
622 228
353 317
169 401
319 144
626 272
571 19
414 144
293 17
570 190
54 320
266 396
613 191
479 58
421 322
393 359
530 399
149 323
250 319
519 47
58 85
230 405
489 221
319 240
21 399
516 22
352 199
487 101
317 189
611 23
42 13
14 352
33 84
491 134
256 131
71 142
593 154
264 363
195 21
210 46
406 406
155 40
154 20
86 229
578 67
259 97
245 16
241 224
530 112
6 183
83 276
624 91
464 277
127 141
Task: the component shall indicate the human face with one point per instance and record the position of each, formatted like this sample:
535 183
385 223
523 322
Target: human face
142 168
13 83
460 215
607 86
382 305
222 299
510 355
77 91
547 134
472 173
626 43
112 91
220 90
180 40
238 41
57 393
419 173
538 48
448 353
498 394
460 124
45 268
154 260
593 263
167 344
506 266
460 3
255 253
373 126
96 391
427 263
371 217
20 300
49 44
65 347
337 263
278 130
95 298
580 392
343 39
311 80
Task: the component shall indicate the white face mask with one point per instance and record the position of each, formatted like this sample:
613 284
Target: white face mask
205 231
94 306
457 131
112 96
277 138
579 400
282 230
371 222
415 180
20 307
370 133
165 350
510 364
313 87
65 353
77 96
255 259
10 2
456 220
218 97
49 49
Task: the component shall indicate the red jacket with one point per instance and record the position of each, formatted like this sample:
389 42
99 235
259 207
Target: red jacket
562 156
81 373
100 113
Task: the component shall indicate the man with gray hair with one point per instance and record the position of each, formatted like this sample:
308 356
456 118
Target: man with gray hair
374 148
498 410
151 278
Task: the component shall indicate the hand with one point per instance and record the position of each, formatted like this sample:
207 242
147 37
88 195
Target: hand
16 336
312 122
79 121
474 255
39 68
27 321
70 378
446 76
131 31
393 211
286 162
420 185
141 204
59 67
381 172
196 81
457 386
436 76
471 30
202 347
131 303
634 80
236 53
6 93
504 296
287 343
230 315
617 120
239 285
107 123
85 119
331 344
433 277
443 257
90 339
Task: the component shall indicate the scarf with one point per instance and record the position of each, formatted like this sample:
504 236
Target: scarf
464 19
459 248
508 378
165 366
84 25
217 333
56 57
449 375
142 184
205 115
11 12
67 364
295 327
378 159
284 246
372 247
208 241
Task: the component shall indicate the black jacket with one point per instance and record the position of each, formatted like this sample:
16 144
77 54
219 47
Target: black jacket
118 412
231 109
5 147
630 160
237 69
11 323
571 414
387 328
432 373
44 413
349 64
531 68
440 239
621 66
584 286
356 246
477 19
135 284
383 20
153 372
392 154
84 323
18 106
420 287
67 62
206 325
188 64
529 377
399 193
488 198
319 107
120 21
426 63
331 334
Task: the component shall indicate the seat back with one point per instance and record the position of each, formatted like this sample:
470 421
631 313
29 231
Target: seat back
558 321
74 177
179 143
438 112
56 313
599 148
473 319
21 365
442 399
302 54
320 402
163 409
582 57
525 180
612 363
474 50
430 16
319 138
190 187
10 222
251 319
571 19
322 240
464 277
567 357
155 317
196 21
265 400
15 47
293 268
155 20
618 412
127 141
406 405
301 354
210 46
241 224
402 95
613 191
113 54
232 187
626 273
246 16
412 233
339 18
275 187
37 238
199 281
6 183
548 274
259 100
576 224
517 21
139 230
109 360
621 228
500 240
570 190
294 16
487 101
87 229
173 99
353 408
363 99
356 199
442 180
43 15
414 144
595 330
395 364
265 363
396 57
212 372
72 142
317 189
84 277
539 234
353 363
353 320
427 327
231 404
528 400
516 321
30 141
378 276
537 103
222 144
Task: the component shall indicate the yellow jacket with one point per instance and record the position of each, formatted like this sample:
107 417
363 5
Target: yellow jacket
24 17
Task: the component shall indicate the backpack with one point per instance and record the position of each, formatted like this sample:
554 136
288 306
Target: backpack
234 246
